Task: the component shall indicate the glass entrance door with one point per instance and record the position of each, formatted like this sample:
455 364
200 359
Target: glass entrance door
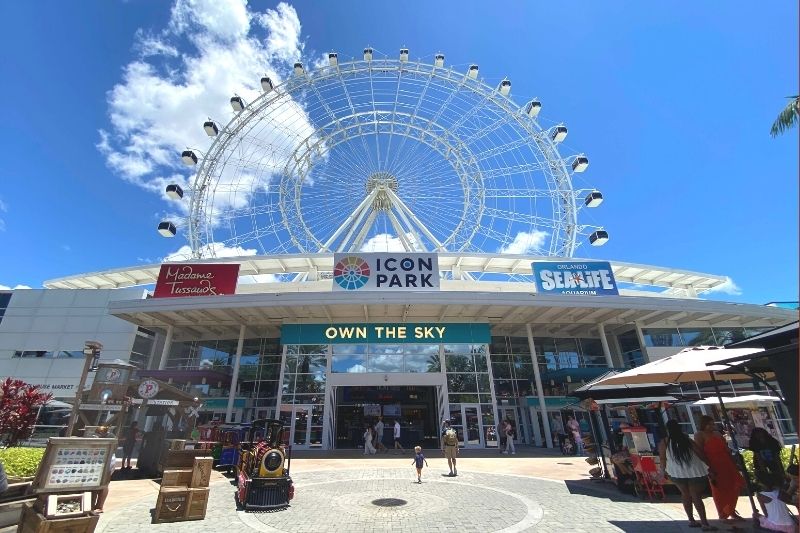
303 425
473 426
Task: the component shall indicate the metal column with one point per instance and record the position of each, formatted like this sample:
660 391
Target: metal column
167 346
601 329
235 376
539 390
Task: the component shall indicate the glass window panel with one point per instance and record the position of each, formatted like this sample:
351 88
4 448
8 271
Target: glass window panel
270 371
501 370
311 363
524 387
662 337
309 398
428 349
728 335
483 383
697 337
455 415
464 398
310 383
503 388
478 349
385 363
314 349
628 341
291 362
591 347
422 363
461 383
458 348
519 345
349 363
386 349
349 349
498 345
459 363
595 360
292 349
480 362
288 384
499 357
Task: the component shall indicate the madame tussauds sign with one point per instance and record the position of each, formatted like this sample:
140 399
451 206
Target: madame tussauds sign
176 280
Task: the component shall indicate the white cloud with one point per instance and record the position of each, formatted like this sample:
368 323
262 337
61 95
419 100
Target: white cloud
7 288
729 287
386 242
209 51
526 243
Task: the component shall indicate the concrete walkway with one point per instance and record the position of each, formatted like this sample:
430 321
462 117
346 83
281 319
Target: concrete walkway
535 490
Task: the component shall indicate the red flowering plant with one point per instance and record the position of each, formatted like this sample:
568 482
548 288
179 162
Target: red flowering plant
19 408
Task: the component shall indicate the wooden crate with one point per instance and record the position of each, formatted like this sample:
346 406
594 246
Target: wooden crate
176 444
177 478
201 472
33 522
198 501
171 505
174 459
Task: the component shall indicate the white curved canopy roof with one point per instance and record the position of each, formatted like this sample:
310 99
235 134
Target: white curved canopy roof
674 282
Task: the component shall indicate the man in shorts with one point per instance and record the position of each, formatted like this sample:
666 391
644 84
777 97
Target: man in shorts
379 435
450 447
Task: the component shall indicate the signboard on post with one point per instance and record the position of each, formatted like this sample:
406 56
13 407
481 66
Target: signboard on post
178 280
586 278
391 271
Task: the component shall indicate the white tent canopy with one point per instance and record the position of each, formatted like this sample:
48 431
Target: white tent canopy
690 364
739 400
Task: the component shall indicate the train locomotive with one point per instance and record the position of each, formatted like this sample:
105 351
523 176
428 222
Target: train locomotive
262 476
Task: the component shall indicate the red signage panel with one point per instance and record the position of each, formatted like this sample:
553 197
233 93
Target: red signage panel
176 280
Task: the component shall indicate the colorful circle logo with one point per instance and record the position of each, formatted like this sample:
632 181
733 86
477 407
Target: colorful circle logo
351 273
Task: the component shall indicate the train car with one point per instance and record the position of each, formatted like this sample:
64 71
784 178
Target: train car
263 480
222 440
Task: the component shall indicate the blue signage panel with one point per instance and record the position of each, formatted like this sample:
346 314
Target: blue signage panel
588 278
391 333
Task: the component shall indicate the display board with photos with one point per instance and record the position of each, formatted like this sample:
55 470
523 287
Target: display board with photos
75 464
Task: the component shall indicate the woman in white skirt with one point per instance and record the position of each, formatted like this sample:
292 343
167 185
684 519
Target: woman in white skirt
369 449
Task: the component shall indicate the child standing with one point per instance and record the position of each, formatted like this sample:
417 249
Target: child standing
419 459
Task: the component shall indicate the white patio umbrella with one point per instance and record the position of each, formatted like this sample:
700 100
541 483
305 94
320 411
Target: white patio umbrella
690 364
746 399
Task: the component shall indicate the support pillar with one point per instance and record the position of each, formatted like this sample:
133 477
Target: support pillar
235 376
601 328
162 363
539 390
640 336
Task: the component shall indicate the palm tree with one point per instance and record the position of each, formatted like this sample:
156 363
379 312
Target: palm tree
788 117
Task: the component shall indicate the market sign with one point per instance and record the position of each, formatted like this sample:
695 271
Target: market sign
385 272
175 280
585 278
148 389
391 333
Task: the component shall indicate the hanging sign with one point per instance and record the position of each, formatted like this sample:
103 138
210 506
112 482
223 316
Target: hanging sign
385 272
176 280
585 278
386 333
148 389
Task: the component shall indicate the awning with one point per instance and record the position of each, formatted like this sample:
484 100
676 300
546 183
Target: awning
640 399
598 391
734 400
690 364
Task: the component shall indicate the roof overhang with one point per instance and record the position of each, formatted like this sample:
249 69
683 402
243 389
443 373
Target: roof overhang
550 315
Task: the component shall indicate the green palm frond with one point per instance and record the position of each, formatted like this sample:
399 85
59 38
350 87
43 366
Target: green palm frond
788 117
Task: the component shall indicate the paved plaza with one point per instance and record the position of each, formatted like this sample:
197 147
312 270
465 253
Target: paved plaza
381 494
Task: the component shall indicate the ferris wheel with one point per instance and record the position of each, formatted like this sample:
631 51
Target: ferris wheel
381 153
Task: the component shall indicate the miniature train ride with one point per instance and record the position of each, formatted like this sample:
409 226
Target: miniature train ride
262 475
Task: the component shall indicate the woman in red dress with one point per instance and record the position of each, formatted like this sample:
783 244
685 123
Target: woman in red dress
726 481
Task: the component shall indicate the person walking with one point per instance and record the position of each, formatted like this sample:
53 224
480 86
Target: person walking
419 459
557 432
685 464
131 436
397 445
369 449
508 429
726 481
575 429
450 447
379 436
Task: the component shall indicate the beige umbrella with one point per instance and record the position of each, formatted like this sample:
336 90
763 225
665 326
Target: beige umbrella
746 399
690 364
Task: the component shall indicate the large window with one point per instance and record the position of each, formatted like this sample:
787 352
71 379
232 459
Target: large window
385 358
467 373
5 298
680 337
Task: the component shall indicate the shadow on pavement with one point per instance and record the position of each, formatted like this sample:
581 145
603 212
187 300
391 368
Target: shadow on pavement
678 526
598 489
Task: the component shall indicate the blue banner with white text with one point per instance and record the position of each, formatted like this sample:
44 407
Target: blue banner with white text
582 278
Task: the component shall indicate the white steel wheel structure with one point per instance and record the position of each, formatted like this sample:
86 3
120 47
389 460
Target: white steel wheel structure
376 154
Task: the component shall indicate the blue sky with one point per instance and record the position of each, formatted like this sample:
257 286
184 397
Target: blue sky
673 107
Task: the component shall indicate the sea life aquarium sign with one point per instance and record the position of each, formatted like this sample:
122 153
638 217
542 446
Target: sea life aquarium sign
587 278
392 333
